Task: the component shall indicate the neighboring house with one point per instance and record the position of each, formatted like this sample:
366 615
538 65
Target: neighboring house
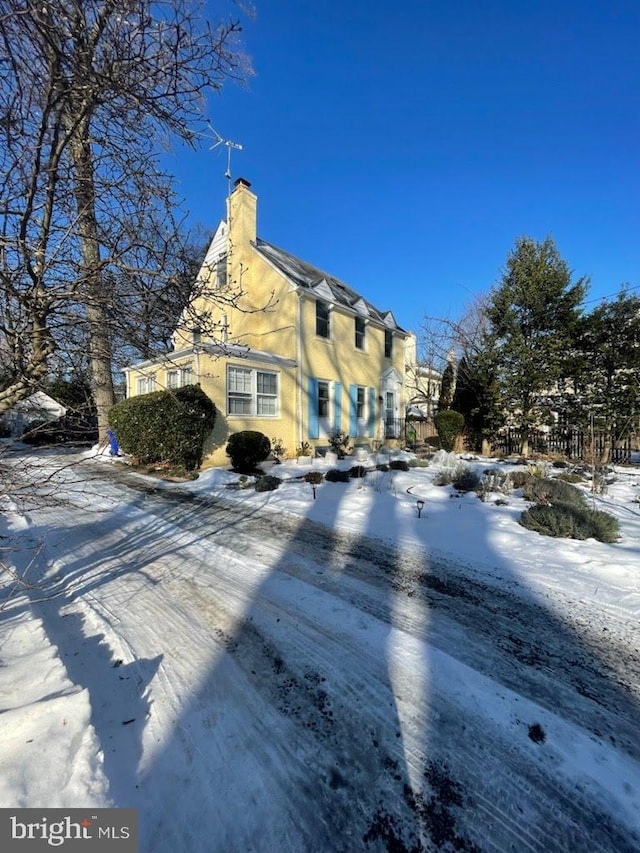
37 408
282 347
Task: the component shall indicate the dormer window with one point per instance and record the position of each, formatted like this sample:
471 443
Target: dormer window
323 329
388 343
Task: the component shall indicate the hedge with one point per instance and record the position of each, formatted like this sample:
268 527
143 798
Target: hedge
165 426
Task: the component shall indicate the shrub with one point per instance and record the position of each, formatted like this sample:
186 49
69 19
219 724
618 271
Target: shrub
444 478
570 478
571 522
545 491
267 483
278 450
519 478
399 465
336 476
246 449
465 479
314 477
339 443
560 463
357 471
449 424
165 426
69 429
418 463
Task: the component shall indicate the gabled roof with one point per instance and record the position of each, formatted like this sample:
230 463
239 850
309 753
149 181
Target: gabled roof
320 284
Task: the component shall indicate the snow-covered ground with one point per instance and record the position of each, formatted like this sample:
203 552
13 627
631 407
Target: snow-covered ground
269 672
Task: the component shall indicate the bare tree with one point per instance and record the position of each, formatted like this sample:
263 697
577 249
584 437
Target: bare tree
90 88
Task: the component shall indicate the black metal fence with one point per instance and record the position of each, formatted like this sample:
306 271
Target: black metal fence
570 443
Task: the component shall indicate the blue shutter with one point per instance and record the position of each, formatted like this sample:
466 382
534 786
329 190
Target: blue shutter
337 406
372 412
353 411
314 426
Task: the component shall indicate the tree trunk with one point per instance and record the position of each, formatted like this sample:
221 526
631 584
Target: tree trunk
94 296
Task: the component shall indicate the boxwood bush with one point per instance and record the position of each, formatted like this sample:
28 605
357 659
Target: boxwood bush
247 449
165 426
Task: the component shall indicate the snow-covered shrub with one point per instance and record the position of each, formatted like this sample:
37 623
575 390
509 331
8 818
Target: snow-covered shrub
334 475
267 483
546 491
165 426
246 449
442 459
449 425
571 522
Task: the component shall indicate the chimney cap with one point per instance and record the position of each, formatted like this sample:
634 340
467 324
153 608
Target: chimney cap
241 182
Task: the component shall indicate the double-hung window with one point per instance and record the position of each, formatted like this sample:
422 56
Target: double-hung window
323 399
178 377
252 392
146 384
323 329
359 332
221 272
360 395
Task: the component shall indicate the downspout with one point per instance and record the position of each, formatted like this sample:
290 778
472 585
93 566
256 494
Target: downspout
299 367
196 360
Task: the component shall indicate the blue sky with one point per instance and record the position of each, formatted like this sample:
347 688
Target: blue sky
403 147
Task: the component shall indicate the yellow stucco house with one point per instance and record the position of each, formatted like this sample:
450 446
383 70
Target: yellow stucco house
282 347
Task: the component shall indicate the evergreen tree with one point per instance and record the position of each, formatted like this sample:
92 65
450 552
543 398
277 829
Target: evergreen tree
533 314
446 387
606 368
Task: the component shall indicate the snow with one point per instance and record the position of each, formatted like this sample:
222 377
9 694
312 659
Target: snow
269 671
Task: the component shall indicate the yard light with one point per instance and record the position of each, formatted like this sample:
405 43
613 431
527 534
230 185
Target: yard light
420 505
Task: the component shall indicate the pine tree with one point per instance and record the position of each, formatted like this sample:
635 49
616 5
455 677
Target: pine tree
533 315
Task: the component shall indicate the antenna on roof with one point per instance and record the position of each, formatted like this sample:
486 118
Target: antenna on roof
220 140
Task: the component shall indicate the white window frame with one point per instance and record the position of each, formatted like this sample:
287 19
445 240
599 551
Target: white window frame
221 272
250 393
361 404
363 334
388 338
327 305
178 377
146 384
